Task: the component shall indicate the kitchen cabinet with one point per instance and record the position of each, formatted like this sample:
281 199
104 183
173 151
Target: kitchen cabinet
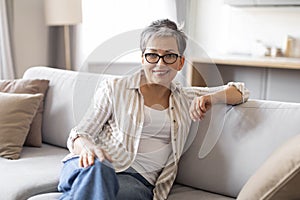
266 78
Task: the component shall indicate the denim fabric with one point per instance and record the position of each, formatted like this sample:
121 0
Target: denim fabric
133 186
100 182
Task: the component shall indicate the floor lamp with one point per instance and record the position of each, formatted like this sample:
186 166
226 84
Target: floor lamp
64 13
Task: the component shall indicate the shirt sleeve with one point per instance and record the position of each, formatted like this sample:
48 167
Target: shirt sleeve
240 86
98 113
192 92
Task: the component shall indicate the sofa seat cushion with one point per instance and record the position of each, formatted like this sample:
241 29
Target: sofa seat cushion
180 192
47 196
37 171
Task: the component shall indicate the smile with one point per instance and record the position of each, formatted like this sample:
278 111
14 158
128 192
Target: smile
160 72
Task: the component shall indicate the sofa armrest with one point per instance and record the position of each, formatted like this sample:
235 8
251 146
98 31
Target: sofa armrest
279 177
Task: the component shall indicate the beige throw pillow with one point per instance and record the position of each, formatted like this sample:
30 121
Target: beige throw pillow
278 178
16 115
29 86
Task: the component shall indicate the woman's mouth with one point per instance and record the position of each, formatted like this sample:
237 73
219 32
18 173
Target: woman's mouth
160 72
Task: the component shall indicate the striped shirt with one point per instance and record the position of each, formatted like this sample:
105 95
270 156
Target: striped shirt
114 121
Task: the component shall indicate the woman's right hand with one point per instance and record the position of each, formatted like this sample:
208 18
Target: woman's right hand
89 152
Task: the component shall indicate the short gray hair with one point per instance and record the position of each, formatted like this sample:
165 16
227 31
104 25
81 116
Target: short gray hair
163 28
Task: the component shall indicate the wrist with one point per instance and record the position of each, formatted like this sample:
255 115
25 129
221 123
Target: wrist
218 98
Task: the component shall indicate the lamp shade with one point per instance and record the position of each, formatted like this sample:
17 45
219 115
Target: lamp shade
63 12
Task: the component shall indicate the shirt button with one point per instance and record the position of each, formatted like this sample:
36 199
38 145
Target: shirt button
174 120
172 108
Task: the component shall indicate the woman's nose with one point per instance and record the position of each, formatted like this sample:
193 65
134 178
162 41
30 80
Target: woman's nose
161 62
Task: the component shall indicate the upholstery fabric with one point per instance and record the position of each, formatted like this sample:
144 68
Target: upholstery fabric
36 172
16 114
46 196
279 177
68 97
29 86
249 134
180 192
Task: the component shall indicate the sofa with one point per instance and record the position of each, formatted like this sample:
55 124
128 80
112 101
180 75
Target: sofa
249 151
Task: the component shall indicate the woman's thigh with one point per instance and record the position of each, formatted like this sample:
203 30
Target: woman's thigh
132 189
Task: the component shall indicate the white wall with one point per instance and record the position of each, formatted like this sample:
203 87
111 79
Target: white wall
225 29
30 35
219 28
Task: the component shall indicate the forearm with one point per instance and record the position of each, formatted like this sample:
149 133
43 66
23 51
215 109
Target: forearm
231 95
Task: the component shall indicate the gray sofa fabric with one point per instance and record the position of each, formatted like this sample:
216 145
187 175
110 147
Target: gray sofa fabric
37 171
180 192
241 138
249 135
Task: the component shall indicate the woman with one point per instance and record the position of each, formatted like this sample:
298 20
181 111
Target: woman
130 141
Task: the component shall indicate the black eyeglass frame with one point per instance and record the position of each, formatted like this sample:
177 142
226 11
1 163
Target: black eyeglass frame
162 57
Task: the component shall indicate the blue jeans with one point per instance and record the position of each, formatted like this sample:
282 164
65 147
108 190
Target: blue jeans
100 182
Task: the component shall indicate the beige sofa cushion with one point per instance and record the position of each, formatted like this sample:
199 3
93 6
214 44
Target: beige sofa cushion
279 177
29 86
16 114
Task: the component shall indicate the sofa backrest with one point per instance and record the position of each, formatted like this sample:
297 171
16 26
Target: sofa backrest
67 99
249 134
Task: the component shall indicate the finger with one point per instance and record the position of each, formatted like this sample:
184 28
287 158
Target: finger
192 116
198 110
196 115
197 105
100 155
107 156
80 161
85 160
90 159
203 105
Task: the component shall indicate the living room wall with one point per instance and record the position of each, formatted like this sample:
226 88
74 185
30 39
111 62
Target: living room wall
225 29
30 35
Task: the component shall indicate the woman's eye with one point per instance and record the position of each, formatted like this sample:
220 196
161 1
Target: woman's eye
152 55
168 56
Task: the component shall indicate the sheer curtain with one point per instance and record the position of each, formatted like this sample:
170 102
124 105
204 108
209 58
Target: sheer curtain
6 63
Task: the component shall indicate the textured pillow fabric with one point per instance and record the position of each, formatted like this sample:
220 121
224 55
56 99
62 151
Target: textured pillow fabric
16 114
29 86
278 178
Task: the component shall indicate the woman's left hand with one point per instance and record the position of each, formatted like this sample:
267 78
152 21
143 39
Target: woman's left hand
199 107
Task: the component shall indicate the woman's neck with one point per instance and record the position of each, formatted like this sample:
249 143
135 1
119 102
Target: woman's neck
155 96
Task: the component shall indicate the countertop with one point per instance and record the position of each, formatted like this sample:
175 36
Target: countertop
245 60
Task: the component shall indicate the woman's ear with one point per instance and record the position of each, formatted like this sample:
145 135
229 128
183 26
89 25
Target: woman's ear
142 57
181 64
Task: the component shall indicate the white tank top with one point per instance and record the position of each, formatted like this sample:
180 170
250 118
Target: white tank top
155 144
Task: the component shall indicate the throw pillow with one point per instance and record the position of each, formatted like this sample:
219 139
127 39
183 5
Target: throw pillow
29 86
16 114
278 178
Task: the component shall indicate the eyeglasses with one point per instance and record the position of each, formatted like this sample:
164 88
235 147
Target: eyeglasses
153 58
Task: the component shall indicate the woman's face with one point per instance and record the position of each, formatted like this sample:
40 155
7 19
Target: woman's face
162 72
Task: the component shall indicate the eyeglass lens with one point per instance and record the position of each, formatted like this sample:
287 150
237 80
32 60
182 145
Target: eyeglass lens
154 58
